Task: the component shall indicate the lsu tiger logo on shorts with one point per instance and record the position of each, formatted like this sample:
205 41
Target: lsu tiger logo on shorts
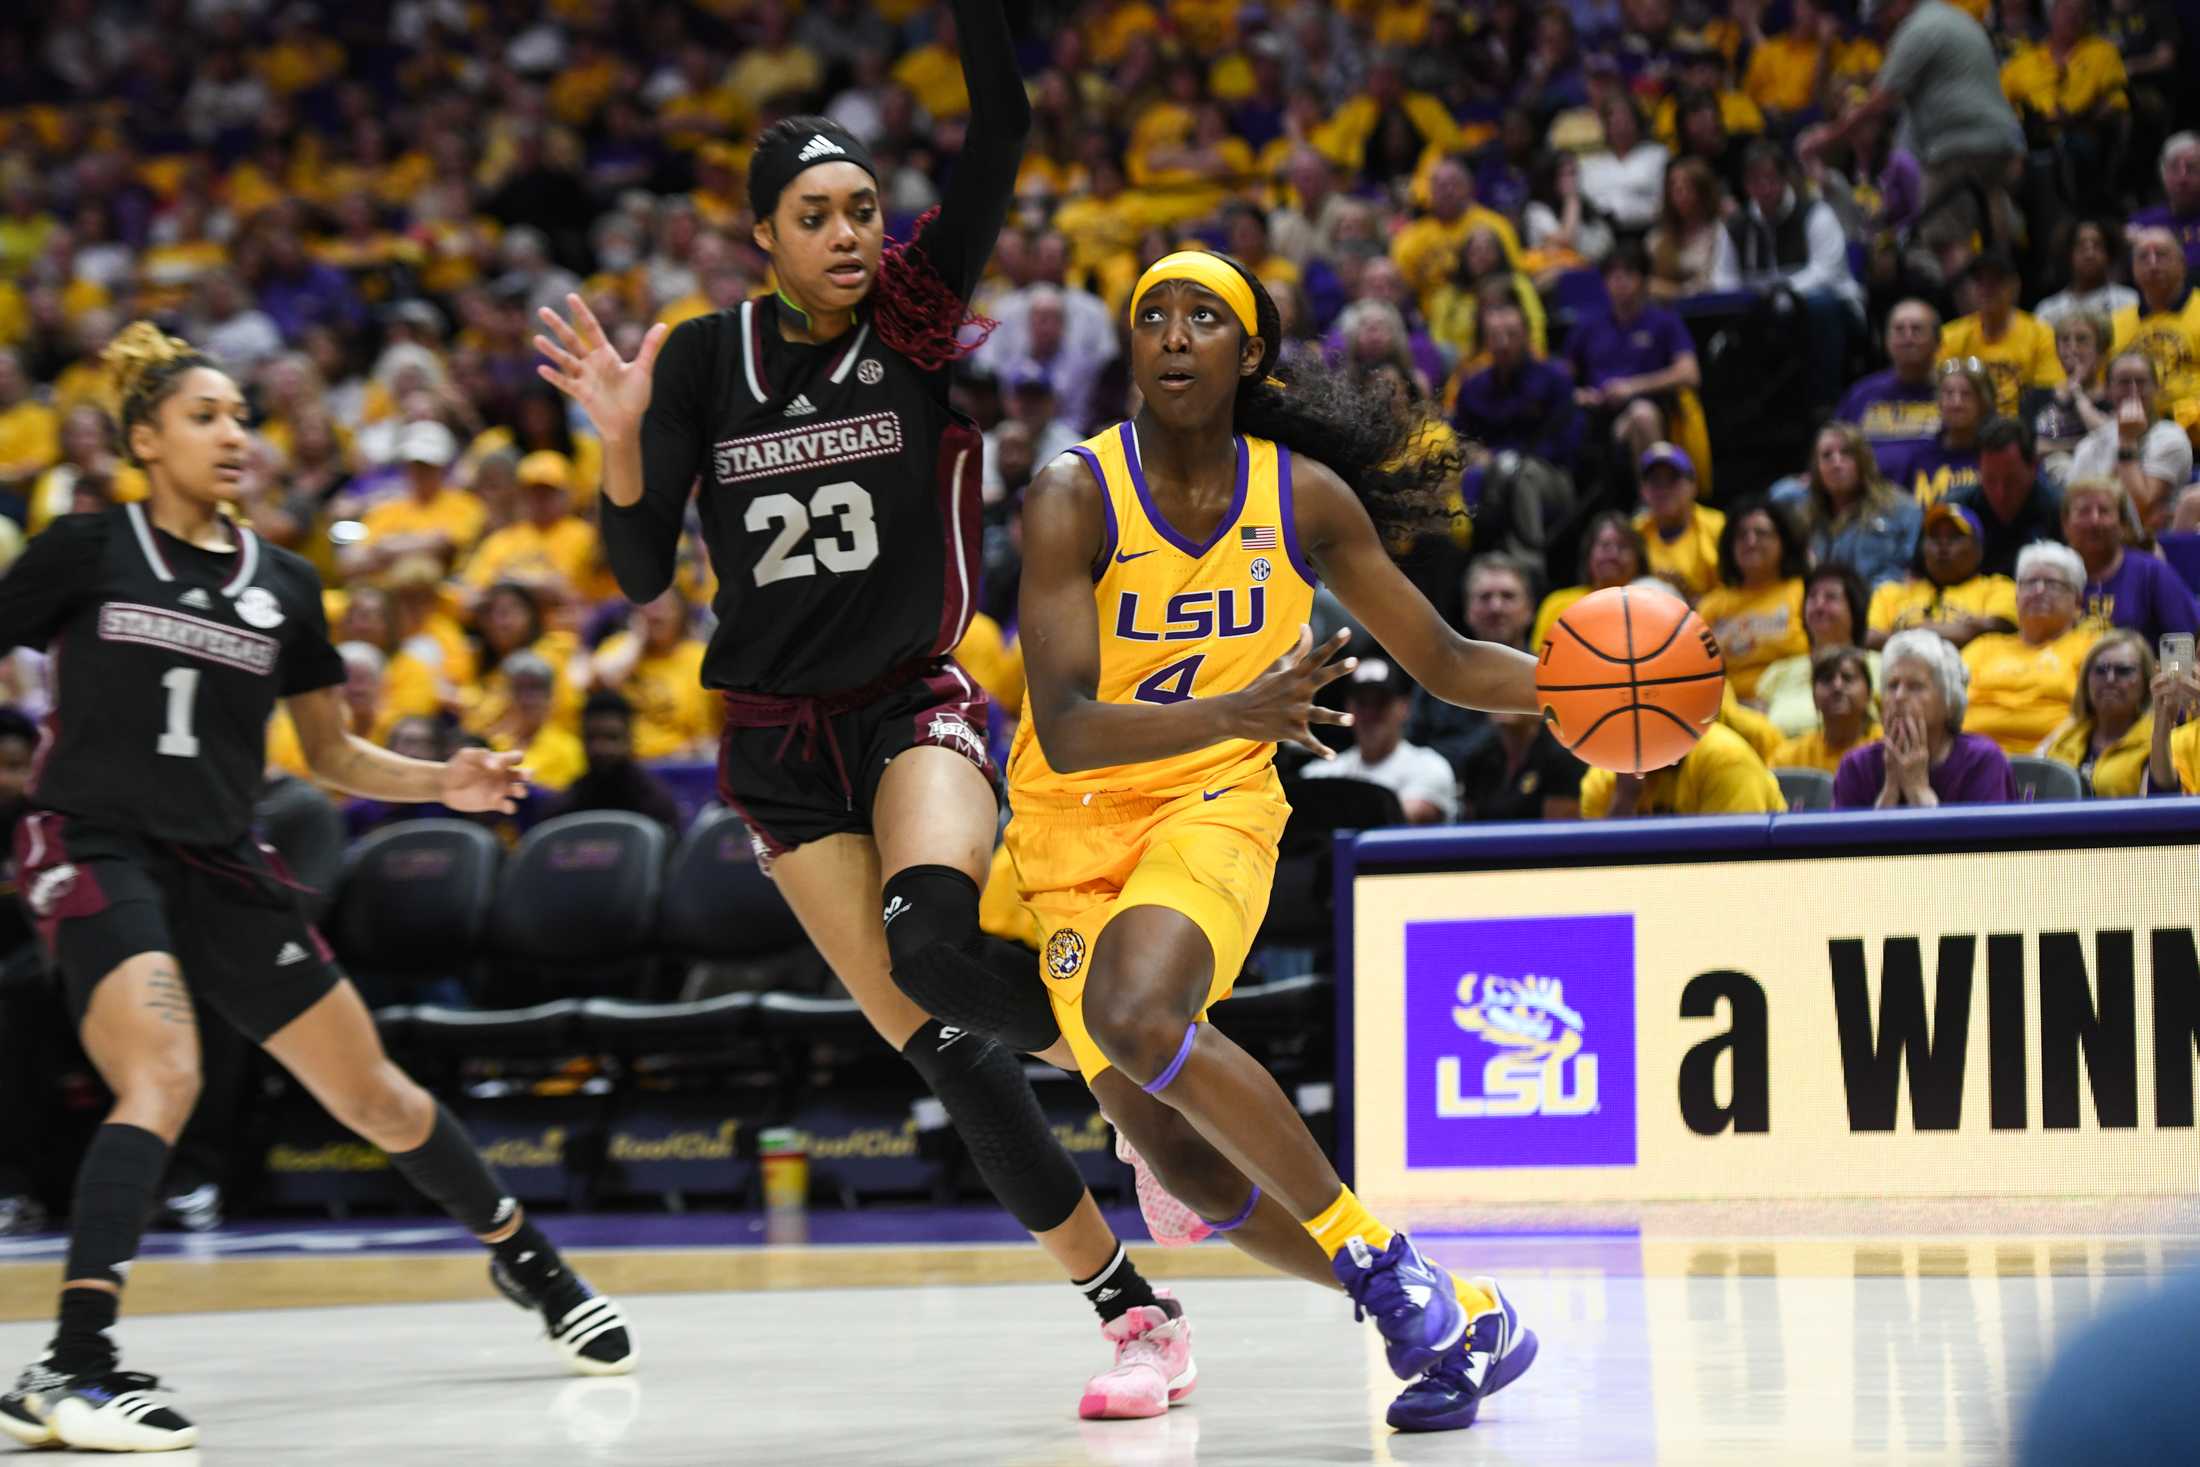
1065 954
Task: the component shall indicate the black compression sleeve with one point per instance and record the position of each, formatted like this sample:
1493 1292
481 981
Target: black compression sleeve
960 241
642 540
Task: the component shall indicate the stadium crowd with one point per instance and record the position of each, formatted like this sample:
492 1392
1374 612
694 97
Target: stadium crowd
1956 238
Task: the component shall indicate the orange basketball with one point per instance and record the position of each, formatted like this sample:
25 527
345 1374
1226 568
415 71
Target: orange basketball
1629 680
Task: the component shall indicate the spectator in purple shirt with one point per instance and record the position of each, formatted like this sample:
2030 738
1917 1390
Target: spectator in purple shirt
1899 409
2123 588
2180 213
1633 364
1926 759
298 291
1517 402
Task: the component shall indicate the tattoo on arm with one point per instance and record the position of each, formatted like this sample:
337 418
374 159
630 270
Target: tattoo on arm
167 997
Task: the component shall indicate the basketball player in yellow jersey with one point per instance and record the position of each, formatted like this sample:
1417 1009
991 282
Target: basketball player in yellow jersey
1169 567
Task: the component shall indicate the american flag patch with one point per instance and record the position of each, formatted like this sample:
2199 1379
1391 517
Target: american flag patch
1257 537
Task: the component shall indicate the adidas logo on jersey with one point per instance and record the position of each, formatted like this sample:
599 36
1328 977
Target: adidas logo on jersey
195 597
820 146
801 406
291 953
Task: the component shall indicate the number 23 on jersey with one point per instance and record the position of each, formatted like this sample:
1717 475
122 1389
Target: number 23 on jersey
849 545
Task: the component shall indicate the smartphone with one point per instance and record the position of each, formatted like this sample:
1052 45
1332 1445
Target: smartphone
2177 653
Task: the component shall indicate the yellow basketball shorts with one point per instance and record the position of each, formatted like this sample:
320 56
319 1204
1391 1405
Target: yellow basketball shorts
1078 864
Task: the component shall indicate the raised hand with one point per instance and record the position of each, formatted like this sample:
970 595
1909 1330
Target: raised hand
585 367
1279 705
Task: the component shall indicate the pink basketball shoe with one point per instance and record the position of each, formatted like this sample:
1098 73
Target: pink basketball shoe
1153 1367
1172 1224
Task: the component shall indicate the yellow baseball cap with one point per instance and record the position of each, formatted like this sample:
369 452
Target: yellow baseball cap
546 466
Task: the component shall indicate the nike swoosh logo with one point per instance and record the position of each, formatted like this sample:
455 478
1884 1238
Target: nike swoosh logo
1216 794
1122 559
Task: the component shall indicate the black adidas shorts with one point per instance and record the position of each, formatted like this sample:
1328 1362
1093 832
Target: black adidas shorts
787 786
233 917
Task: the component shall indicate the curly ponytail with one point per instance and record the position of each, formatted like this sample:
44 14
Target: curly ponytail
1403 463
144 364
915 311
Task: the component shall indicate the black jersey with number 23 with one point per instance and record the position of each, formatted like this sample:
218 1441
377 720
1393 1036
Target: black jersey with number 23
839 499
168 661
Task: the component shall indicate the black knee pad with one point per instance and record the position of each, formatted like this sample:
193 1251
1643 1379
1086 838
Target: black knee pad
982 1085
955 972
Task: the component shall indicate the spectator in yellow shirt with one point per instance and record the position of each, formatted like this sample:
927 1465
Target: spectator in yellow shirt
1787 72
430 518
2022 685
773 64
933 73
1756 610
548 546
511 618
2165 324
656 664
1946 594
1721 775
1357 135
87 454
1427 249
1682 536
1840 685
2173 754
2111 724
2016 348
410 686
30 432
2073 79
366 706
1612 554
552 756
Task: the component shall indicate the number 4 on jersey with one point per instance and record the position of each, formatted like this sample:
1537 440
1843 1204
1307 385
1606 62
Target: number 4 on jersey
1172 684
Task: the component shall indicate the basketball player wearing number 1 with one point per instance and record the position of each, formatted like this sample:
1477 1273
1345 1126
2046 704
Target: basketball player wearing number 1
1169 567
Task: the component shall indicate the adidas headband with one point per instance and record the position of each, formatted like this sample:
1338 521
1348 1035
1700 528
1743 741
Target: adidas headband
776 162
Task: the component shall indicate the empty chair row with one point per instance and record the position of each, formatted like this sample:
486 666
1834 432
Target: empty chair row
587 903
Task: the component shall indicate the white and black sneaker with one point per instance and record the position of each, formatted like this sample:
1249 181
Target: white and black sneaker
106 1411
586 1329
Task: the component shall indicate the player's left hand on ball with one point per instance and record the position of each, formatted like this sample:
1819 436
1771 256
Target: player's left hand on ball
483 780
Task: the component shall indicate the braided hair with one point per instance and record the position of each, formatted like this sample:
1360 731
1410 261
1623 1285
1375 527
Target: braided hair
1400 460
144 364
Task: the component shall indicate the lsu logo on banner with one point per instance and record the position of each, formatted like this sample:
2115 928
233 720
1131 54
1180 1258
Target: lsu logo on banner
1520 1042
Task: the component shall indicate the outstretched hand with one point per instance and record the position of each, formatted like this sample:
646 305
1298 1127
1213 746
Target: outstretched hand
1279 707
587 368
481 780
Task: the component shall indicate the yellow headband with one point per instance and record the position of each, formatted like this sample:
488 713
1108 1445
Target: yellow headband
1201 268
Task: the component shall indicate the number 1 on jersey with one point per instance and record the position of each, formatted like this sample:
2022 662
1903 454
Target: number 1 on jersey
1172 684
177 740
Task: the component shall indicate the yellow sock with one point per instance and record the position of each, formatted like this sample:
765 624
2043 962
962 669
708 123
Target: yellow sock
1474 1299
1346 1218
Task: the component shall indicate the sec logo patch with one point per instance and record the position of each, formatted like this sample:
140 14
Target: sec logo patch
869 372
1065 954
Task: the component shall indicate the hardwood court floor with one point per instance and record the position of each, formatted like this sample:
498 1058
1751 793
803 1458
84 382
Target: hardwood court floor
1825 1340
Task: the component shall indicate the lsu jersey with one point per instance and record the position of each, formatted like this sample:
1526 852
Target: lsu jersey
1180 619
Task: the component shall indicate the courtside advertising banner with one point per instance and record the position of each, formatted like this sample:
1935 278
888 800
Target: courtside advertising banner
2016 1022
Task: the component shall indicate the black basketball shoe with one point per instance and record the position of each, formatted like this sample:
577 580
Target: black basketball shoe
105 1411
586 1329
